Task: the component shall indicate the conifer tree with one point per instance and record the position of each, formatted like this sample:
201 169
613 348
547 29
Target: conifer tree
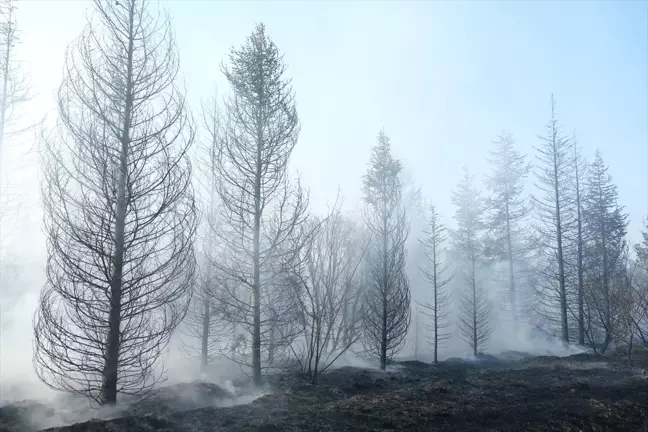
508 210
605 224
475 322
387 304
553 174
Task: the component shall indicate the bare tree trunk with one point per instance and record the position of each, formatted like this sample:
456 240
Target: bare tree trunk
435 282
561 263
256 251
385 281
606 279
579 251
114 321
474 310
509 245
204 348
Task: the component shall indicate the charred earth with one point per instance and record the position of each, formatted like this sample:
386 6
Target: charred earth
511 392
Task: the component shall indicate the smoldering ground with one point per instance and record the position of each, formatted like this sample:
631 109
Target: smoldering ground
509 391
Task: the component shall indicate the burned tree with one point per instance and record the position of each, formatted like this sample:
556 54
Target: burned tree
119 209
387 300
260 209
475 322
552 204
325 279
434 272
605 225
580 169
508 210
638 317
204 323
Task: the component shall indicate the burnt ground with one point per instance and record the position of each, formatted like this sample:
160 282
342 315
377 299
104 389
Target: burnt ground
577 393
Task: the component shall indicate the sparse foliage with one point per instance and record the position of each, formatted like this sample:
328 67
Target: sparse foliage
580 170
260 210
387 300
325 279
203 322
508 212
605 225
552 204
434 274
638 317
475 321
119 209
14 91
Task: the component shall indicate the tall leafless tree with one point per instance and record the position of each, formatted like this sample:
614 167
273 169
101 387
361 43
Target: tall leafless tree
554 169
580 170
509 210
387 302
260 209
434 274
119 208
475 322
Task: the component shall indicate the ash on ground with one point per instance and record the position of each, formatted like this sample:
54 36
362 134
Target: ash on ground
508 392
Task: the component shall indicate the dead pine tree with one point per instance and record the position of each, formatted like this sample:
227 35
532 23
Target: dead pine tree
605 224
580 170
508 211
260 208
204 330
552 203
434 273
475 321
119 209
387 312
203 322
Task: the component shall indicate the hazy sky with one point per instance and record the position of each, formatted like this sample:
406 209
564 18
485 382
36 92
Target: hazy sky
442 78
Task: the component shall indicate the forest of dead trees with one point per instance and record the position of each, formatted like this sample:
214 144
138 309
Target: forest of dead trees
164 221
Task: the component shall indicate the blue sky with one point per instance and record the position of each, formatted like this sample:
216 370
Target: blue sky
442 78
